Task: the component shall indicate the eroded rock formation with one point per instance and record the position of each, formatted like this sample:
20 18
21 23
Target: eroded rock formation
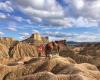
8 42
22 50
56 68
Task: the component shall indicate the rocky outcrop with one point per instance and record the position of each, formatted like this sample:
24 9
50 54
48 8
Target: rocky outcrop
91 49
3 51
36 39
8 42
56 68
22 50
77 57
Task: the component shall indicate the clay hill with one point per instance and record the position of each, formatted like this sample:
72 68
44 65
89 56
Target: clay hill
11 48
3 51
19 61
56 68
91 49
8 42
18 50
22 50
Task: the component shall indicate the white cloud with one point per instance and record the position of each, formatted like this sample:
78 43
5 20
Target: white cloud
60 22
3 16
86 8
85 37
35 31
13 28
58 34
50 12
88 37
28 21
42 13
79 37
79 4
48 7
1 33
23 35
39 10
6 6
18 18
36 19
83 22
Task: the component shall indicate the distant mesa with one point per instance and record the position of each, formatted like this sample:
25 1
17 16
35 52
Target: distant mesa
36 36
36 39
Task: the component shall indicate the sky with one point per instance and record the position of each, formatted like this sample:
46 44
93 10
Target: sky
73 20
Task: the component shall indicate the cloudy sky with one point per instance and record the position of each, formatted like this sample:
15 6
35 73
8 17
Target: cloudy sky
73 20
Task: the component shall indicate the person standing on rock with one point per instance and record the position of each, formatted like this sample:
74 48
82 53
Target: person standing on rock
40 50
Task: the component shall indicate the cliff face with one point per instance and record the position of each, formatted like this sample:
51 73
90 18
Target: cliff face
36 36
3 51
17 49
36 39
22 50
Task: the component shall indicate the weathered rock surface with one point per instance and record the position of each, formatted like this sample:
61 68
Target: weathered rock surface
82 58
3 51
36 39
8 42
77 57
56 68
4 56
22 50
76 67
91 49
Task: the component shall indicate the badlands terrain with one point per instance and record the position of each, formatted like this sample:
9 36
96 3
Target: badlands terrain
19 61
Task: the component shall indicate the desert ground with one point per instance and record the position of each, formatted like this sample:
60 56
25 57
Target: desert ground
19 60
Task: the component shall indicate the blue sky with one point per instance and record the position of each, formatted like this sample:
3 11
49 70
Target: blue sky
73 20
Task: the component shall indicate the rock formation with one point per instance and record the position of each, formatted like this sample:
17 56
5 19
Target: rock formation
22 65
36 39
3 51
77 57
22 50
91 49
8 42
56 68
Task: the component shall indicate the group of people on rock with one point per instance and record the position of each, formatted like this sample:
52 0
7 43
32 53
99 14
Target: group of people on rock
49 49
